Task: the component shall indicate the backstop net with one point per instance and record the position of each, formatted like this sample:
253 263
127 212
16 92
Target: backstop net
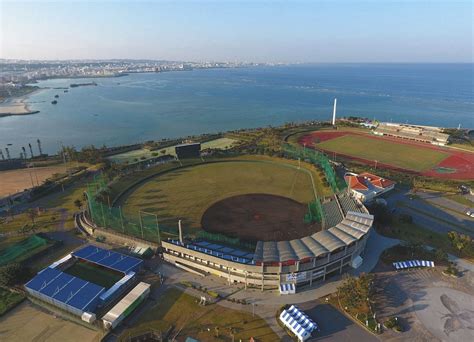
315 212
319 159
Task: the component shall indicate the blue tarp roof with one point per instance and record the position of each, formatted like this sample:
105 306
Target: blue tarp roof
110 259
219 251
75 292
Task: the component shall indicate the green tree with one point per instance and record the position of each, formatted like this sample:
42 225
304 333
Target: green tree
12 274
78 203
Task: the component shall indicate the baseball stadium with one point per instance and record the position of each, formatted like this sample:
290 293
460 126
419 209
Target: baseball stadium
264 222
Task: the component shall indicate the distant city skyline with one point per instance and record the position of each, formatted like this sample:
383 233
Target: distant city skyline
254 31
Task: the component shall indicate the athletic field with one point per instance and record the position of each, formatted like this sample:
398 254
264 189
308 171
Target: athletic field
370 148
94 273
186 193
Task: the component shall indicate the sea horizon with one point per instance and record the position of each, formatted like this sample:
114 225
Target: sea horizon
152 106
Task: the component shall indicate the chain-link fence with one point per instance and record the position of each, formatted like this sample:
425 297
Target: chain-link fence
21 249
315 212
144 226
319 159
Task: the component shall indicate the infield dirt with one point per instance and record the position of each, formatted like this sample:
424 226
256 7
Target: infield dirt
254 217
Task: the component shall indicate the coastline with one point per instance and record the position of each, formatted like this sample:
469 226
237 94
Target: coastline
16 106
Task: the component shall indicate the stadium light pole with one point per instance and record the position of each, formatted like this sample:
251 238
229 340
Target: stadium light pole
121 219
157 223
141 222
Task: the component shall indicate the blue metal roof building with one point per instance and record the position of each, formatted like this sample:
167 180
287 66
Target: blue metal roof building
109 259
65 291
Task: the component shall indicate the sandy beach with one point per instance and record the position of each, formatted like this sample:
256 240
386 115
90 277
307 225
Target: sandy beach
16 106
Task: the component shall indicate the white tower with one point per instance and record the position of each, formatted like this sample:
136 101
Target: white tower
334 113
180 232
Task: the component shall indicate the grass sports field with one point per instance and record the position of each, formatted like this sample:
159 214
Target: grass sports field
219 144
186 193
95 274
370 148
184 314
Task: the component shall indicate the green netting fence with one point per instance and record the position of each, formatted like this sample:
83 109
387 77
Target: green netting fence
143 225
315 212
22 249
319 159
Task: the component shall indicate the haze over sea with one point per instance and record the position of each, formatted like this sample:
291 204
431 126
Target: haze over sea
152 106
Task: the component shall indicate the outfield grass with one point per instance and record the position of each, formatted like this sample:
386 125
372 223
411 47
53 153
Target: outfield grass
94 274
182 311
186 193
388 152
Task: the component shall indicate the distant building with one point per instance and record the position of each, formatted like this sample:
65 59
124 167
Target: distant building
192 150
366 186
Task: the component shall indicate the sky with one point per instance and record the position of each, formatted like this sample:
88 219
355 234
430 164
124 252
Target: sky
255 31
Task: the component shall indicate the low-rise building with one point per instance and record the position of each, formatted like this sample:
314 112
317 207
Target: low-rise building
366 186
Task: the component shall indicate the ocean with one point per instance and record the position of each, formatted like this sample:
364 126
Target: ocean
152 106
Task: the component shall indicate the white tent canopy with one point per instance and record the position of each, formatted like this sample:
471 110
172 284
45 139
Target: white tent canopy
298 322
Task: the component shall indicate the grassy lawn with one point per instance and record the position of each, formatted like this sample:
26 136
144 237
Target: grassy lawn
186 193
9 299
184 314
388 152
460 199
130 156
50 218
220 144
413 233
94 274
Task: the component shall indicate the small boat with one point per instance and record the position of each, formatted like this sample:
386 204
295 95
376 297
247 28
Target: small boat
54 102
56 96
66 91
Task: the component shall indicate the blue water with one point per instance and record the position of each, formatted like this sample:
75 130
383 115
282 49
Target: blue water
142 107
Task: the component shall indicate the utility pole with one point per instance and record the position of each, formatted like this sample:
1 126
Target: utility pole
141 221
121 219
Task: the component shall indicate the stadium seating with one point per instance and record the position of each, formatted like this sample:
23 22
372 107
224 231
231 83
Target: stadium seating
332 213
348 204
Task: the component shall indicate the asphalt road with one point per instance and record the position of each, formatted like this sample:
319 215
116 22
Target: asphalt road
334 326
429 213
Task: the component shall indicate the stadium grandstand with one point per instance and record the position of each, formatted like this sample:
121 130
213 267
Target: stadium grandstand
273 263
427 134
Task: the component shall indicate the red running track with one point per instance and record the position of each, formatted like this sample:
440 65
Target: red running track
459 163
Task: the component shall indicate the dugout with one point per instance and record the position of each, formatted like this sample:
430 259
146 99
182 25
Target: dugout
192 150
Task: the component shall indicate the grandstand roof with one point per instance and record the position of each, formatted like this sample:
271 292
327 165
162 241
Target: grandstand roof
66 289
352 228
109 259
